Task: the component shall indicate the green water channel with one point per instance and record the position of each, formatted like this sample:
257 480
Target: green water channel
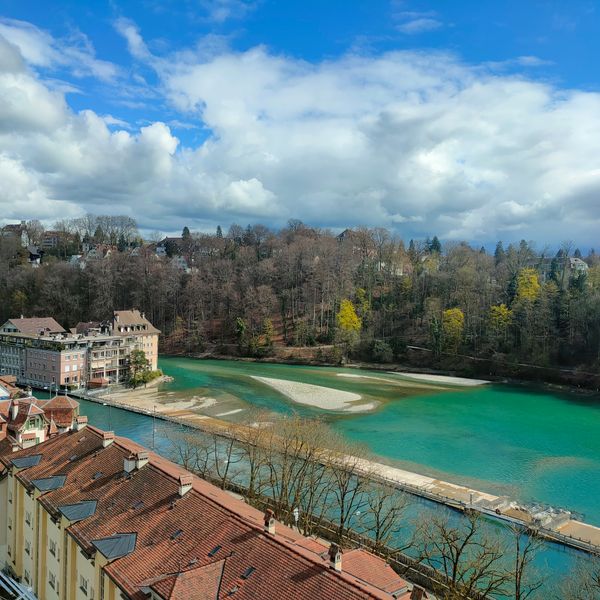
529 444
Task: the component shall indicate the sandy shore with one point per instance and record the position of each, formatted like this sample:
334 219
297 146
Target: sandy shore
463 381
317 395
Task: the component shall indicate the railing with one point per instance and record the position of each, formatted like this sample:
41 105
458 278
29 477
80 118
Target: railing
9 588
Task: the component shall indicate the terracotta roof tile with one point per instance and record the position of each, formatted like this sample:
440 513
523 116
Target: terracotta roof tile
195 583
176 533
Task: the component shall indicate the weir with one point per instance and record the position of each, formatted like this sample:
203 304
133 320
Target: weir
555 525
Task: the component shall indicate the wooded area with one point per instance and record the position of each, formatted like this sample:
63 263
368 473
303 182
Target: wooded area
363 293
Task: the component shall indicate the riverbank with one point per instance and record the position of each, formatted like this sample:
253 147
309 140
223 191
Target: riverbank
554 525
543 378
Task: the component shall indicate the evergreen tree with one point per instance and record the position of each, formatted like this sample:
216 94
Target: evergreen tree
499 253
435 245
219 232
185 234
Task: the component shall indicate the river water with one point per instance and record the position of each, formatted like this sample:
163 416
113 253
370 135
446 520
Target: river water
530 444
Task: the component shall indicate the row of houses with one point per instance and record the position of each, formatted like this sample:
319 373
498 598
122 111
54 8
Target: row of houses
40 353
91 516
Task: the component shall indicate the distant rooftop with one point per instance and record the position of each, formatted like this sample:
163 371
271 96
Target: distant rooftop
34 325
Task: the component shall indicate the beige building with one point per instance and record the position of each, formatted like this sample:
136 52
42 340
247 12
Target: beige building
138 333
39 353
89 516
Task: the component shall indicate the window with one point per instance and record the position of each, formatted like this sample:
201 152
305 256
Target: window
28 518
52 547
26 577
10 497
83 584
52 580
9 523
28 547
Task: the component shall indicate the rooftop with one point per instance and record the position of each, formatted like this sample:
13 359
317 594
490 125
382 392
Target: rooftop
35 325
220 546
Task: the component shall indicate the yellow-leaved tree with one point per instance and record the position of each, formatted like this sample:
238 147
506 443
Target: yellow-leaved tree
453 324
500 318
349 324
528 285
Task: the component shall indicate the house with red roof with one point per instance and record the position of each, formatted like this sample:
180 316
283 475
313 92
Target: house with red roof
105 518
27 421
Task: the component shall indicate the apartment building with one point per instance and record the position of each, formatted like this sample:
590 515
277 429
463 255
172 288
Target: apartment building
39 353
138 333
89 516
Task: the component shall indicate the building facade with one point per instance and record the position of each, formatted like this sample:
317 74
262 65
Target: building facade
39 353
89 516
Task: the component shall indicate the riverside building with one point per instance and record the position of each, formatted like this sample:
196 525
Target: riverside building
40 353
91 516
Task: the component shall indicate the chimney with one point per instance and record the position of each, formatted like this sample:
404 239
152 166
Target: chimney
270 521
141 458
108 437
418 593
14 409
185 484
129 463
335 557
80 423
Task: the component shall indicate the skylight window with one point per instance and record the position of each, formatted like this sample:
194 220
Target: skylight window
214 550
177 534
248 572
97 475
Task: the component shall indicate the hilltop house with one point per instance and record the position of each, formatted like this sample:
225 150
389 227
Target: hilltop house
18 231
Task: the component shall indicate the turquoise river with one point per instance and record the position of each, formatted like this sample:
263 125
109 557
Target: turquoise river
529 444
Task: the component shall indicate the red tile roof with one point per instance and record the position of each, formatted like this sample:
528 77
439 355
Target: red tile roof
131 318
195 583
34 325
176 533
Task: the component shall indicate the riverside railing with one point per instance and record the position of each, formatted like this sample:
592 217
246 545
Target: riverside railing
548 534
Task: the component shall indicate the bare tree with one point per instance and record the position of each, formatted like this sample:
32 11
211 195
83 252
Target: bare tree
384 517
525 580
469 560
583 583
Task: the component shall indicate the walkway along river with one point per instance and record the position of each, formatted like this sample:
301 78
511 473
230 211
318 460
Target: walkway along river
554 559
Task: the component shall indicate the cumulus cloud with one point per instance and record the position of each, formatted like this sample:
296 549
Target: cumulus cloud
415 141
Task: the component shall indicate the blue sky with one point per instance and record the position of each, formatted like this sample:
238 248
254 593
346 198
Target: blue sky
470 120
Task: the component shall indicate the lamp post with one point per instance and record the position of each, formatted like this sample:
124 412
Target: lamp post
153 424
109 415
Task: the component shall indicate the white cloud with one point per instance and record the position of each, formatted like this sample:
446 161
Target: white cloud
220 11
40 49
136 45
419 25
412 140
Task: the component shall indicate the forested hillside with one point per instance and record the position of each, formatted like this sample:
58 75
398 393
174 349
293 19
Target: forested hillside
363 294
